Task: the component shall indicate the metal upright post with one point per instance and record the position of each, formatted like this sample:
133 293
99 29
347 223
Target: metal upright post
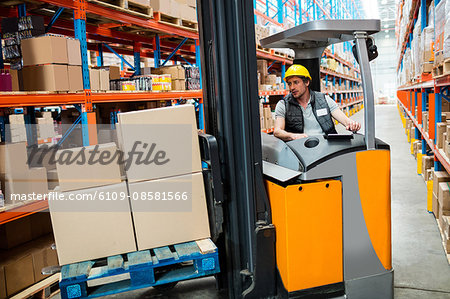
201 116
424 108
157 52
417 136
283 72
137 58
87 114
30 116
100 54
254 7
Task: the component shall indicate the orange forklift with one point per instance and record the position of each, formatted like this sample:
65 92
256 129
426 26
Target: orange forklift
308 218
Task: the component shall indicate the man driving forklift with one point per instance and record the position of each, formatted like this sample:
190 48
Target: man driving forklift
306 112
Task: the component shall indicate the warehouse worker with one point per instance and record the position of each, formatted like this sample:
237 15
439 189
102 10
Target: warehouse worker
306 112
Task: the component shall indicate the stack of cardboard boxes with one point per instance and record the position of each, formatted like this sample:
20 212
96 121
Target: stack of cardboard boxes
17 130
18 180
99 79
266 81
267 122
163 190
25 248
182 9
441 205
177 74
51 63
45 126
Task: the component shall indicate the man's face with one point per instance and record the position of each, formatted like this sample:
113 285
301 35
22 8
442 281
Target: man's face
296 86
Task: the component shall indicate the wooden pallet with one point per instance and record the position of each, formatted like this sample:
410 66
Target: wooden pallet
268 51
179 22
126 6
135 270
44 289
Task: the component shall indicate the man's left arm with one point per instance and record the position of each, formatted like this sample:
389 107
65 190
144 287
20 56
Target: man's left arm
340 116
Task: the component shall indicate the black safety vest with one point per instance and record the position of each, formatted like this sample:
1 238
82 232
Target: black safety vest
294 114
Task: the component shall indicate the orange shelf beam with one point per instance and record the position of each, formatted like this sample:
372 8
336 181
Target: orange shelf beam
21 99
127 18
22 211
273 93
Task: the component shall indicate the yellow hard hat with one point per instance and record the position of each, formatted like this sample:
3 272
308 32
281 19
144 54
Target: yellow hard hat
297 70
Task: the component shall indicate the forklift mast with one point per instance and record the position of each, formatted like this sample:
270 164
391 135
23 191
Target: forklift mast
228 66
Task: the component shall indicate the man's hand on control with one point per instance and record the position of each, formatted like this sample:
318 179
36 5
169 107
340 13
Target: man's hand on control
298 136
353 126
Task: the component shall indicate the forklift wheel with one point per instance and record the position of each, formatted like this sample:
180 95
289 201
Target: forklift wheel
165 287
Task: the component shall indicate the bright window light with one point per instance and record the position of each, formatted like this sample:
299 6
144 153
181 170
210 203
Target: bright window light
371 9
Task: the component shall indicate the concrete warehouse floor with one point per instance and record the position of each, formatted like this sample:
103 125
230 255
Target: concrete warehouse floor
421 269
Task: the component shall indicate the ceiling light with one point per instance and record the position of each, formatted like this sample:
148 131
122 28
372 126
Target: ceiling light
383 1
386 36
386 25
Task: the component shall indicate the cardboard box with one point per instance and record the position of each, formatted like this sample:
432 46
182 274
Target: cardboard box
94 76
435 206
16 80
43 257
82 174
169 216
162 6
171 131
442 214
176 10
439 177
19 273
427 162
444 196
270 80
21 264
446 225
2 283
177 72
188 13
15 233
441 128
44 50
114 72
262 67
75 75
191 3
50 77
104 79
41 224
86 230
179 84
73 51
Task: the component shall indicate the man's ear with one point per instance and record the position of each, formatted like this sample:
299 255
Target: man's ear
308 82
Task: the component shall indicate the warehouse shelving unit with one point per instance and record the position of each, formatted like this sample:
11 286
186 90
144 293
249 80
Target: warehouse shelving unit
426 91
145 43
102 29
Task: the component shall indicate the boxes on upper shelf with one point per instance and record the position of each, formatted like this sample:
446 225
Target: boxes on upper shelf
45 50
